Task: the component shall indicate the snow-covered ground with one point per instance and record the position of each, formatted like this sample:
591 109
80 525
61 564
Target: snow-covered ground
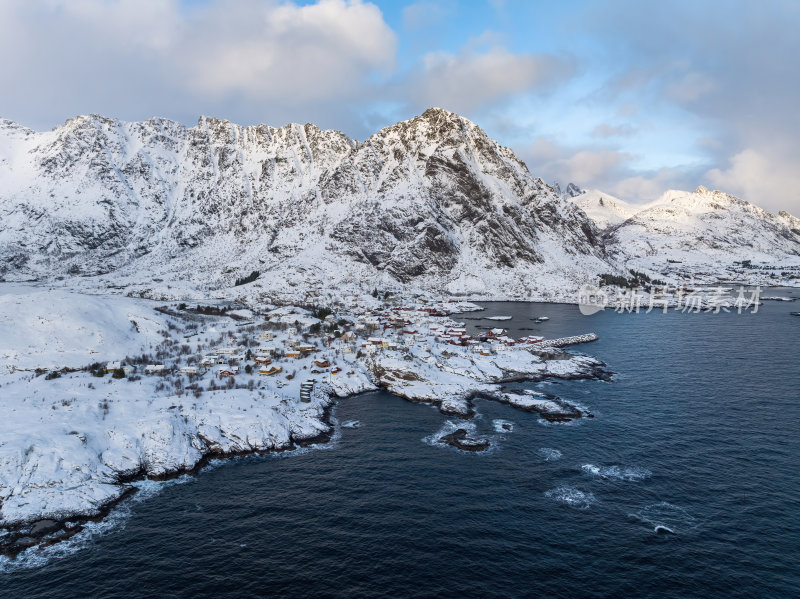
73 437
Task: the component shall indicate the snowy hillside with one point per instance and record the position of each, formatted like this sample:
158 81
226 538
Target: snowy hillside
160 210
703 233
431 203
604 209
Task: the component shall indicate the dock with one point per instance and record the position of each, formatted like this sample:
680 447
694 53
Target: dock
564 341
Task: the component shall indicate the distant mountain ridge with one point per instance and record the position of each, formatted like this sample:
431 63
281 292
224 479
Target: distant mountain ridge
703 229
431 203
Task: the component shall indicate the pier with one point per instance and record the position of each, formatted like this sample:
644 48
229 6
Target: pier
564 341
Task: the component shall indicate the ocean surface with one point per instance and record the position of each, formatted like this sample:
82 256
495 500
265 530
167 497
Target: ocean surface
686 483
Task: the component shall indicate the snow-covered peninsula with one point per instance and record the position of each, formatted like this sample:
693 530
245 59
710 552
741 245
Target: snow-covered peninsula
99 391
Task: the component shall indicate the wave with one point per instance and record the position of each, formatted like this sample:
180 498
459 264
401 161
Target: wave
502 426
571 496
114 521
626 473
666 518
549 454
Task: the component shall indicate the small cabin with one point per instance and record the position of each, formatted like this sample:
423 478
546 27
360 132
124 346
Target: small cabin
292 353
154 369
270 371
190 370
112 366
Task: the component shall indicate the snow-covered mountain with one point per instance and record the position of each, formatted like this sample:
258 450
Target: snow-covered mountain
570 191
703 231
604 209
432 202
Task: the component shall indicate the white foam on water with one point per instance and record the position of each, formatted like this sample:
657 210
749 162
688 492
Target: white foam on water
332 443
666 518
571 496
572 422
626 473
114 521
448 427
499 425
549 454
663 530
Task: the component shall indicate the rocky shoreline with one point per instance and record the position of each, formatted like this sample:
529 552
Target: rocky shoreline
49 531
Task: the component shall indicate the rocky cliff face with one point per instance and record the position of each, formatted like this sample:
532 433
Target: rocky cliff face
432 202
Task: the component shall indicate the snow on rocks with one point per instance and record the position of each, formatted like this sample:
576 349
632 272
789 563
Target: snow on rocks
74 441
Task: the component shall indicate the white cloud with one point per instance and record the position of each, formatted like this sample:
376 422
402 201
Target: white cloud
770 182
287 52
138 58
476 78
604 130
604 168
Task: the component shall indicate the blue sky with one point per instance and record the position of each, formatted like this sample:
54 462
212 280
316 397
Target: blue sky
631 97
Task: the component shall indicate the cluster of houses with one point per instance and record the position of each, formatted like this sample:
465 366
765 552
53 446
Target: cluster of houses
367 330
410 327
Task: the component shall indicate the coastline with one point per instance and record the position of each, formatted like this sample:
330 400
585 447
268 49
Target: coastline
72 444
21 536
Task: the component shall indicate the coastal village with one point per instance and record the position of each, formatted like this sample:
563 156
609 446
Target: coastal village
293 350
111 390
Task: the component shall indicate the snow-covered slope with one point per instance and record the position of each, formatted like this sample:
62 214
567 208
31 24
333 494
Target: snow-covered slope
704 227
604 209
56 328
432 202
701 233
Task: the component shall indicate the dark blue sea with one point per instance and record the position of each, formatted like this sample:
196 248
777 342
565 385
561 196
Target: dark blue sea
686 483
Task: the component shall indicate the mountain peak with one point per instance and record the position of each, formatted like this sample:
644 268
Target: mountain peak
571 191
437 112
